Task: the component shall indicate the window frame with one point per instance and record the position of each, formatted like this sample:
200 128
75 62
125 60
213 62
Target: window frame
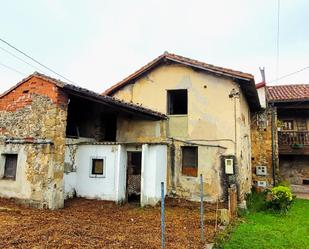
91 175
187 173
168 105
3 175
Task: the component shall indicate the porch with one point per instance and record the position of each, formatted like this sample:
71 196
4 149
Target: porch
293 142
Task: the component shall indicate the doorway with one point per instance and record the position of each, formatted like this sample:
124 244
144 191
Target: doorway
134 169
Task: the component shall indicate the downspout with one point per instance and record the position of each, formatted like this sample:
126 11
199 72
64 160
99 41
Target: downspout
273 145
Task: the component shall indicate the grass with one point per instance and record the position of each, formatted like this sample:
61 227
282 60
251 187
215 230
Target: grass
262 229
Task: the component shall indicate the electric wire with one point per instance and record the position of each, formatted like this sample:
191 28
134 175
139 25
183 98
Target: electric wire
15 56
13 69
36 61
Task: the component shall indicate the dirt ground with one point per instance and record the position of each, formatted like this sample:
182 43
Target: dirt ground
101 224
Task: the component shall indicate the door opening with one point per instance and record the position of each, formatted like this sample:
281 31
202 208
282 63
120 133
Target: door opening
134 169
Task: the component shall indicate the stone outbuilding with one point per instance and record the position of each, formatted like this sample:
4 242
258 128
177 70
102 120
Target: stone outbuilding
58 140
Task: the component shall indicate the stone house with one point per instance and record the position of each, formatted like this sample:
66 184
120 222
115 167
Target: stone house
209 112
171 121
58 140
280 149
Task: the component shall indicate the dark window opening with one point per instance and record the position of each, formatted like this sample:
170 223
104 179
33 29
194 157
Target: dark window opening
87 119
97 166
10 166
177 102
306 181
189 160
109 127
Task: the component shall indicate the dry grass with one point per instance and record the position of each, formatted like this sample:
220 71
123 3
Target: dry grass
101 224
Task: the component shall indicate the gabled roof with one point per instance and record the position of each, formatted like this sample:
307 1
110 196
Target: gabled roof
246 80
93 96
288 93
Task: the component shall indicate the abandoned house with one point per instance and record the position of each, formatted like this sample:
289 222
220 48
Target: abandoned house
281 139
171 121
58 140
208 127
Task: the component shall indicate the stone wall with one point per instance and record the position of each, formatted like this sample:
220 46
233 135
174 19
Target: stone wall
32 125
294 168
261 137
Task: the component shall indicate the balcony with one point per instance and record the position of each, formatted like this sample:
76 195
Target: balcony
293 142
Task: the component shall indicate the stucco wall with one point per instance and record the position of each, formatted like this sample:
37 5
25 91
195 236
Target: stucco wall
80 181
137 130
33 116
210 117
113 185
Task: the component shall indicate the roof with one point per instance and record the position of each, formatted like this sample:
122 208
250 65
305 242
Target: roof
249 89
88 94
288 93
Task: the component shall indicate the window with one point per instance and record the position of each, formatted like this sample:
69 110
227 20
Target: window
189 160
288 125
97 167
10 166
177 102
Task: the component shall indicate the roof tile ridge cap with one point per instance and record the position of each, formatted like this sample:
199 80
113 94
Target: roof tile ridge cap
175 56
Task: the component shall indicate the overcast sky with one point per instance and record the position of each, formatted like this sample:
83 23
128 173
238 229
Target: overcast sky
98 43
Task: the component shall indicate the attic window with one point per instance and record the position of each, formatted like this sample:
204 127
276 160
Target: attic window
177 102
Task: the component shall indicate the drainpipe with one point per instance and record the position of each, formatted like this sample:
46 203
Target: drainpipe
273 144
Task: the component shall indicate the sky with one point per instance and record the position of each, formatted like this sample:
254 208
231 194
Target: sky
95 44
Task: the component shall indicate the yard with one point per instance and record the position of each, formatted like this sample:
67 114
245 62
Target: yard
268 230
100 224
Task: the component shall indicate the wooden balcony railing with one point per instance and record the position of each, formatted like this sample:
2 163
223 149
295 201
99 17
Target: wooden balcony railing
293 138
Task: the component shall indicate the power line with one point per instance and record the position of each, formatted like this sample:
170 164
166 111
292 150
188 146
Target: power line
290 74
11 68
15 56
36 61
278 37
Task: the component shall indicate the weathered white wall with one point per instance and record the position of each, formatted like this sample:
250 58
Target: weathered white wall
121 174
154 163
20 187
113 185
262 96
89 187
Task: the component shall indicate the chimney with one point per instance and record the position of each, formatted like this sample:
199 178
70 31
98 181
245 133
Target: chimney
262 70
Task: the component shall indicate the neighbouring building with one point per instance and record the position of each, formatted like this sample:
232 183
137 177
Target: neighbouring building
280 138
58 140
209 112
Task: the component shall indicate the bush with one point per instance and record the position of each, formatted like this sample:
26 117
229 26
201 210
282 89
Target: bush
281 198
256 201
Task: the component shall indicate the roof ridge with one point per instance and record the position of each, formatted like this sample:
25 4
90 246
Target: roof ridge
180 59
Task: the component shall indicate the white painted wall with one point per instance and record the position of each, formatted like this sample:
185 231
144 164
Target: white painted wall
262 96
113 185
89 187
20 187
121 174
154 163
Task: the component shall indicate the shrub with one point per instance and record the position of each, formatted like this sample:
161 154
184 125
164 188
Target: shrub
281 198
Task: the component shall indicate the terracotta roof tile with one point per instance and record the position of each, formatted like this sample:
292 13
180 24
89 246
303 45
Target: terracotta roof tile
183 60
286 93
93 95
